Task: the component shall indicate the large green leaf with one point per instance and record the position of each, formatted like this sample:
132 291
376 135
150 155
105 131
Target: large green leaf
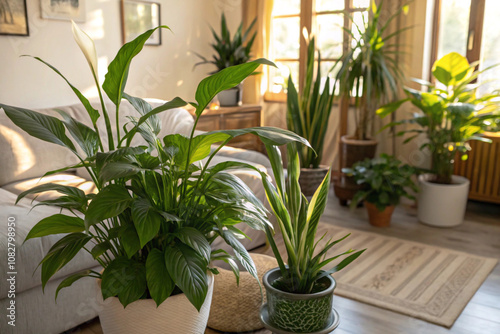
68 281
147 220
118 169
240 252
129 238
268 134
188 270
160 284
93 113
71 192
116 78
56 224
225 79
125 278
196 240
109 202
44 127
452 69
116 155
85 137
61 253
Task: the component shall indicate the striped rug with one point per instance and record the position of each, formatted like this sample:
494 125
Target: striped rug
422 281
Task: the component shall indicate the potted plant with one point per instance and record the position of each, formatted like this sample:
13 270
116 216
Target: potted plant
450 114
370 75
307 115
299 294
384 181
229 52
157 209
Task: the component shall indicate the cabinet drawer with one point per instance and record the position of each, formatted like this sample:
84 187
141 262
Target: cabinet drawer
241 120
208 123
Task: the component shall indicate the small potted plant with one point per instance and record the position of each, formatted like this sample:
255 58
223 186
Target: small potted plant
299 294
157 209
230 52
369 75
384 181
450 114
307 115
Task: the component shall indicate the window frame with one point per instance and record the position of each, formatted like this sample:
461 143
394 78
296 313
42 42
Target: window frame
474 33
307 16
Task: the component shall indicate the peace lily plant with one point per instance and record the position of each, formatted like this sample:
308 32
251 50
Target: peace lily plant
158 208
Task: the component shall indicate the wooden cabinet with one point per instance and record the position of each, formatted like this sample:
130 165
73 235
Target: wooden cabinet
230 118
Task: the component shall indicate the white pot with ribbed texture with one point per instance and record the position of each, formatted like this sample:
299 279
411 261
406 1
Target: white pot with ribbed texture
175 315
442 205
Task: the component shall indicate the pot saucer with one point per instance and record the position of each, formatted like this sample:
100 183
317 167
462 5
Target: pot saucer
333 322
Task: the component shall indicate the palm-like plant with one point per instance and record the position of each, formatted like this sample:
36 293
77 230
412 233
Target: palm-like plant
158 208
369 71
308 113
230 51
298 222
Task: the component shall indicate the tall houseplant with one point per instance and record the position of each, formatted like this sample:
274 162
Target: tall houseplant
369 74
450 114
307 115
230 51
157 209
299 294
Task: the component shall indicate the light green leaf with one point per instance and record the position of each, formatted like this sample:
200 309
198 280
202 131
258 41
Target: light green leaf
109 202
452 69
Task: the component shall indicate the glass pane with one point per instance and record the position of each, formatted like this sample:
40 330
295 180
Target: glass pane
490 48
326 5
330 35
279 76
326 70
286 37
361 3
358 25
454 25
286 7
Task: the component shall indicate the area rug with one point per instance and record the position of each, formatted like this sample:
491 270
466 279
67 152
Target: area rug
422 281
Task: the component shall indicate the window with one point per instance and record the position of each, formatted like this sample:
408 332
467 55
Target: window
471 28
325 19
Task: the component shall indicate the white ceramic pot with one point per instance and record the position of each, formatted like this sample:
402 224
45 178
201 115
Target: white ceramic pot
175 315
442 205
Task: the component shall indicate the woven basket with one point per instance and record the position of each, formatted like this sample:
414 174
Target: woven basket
311 178
237 309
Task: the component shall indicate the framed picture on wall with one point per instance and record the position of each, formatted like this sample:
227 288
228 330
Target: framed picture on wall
14 18
63 10
138 17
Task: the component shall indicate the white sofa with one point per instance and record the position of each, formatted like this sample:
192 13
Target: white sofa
24 160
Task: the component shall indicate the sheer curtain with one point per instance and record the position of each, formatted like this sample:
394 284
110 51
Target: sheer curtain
254 86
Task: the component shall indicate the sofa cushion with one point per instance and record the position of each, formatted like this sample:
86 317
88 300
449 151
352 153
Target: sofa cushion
29 254
67 179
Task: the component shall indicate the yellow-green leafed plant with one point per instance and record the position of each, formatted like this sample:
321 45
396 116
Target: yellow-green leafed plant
298 221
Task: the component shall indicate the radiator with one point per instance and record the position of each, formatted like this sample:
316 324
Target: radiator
482 168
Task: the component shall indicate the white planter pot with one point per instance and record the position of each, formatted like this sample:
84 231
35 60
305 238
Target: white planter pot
175 315
442 205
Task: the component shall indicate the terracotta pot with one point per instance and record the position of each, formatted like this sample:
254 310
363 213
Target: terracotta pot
311 178
353 150
379 218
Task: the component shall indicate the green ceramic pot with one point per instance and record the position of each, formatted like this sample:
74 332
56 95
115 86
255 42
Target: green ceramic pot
298 313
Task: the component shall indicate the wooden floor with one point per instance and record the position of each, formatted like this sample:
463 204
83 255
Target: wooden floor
479 234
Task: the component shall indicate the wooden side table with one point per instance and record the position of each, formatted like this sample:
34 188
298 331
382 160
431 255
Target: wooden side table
230 118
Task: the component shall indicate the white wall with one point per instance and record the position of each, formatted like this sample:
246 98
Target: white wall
162 71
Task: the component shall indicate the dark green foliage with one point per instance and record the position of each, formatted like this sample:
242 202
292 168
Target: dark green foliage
385 180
